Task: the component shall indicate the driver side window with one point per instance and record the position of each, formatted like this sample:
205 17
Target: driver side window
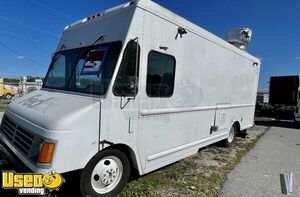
58 73
126 83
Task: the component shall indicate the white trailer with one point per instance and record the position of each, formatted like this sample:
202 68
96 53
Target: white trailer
134 87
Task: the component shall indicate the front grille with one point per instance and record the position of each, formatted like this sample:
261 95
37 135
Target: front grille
17 135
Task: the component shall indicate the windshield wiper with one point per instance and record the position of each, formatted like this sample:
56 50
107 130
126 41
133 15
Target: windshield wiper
61 48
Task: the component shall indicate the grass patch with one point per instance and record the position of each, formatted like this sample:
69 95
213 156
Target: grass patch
199 175
263 119
2 107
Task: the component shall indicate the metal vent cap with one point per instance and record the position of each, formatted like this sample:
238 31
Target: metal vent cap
239 37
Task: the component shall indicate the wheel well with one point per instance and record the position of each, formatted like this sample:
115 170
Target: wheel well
237 126
129 153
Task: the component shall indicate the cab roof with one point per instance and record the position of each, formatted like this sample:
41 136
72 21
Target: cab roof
166 14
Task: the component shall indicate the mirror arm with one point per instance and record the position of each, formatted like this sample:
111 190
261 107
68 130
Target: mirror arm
122 106
136 66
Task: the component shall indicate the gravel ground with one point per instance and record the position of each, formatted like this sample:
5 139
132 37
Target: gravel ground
198 175
3 104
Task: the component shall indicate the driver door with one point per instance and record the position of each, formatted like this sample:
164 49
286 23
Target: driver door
119 111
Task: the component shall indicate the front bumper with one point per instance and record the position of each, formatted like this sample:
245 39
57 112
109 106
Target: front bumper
13 162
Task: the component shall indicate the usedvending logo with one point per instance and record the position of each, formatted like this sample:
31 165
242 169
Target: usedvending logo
30 183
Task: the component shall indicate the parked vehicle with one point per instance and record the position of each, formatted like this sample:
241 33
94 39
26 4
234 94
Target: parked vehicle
4 92
284 91
31 89
135 87
283 97
7 94
297 114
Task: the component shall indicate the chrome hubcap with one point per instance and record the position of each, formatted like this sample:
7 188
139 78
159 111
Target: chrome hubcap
107 174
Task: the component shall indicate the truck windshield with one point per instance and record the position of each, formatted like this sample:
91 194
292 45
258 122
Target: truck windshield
86 70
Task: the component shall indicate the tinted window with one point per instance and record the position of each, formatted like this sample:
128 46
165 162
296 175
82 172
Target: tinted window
89 71
127 78
61 69
160 75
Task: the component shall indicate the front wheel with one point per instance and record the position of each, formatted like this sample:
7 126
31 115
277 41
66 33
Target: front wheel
8 96
106 174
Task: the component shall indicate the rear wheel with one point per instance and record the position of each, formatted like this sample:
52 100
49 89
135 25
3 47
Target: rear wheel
297 124
106 174
242 134
231 137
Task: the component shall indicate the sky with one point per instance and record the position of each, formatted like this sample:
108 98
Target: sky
30 30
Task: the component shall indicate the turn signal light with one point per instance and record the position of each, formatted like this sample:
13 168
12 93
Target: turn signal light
46 152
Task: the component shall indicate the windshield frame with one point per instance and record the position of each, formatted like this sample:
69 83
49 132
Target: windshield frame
118 46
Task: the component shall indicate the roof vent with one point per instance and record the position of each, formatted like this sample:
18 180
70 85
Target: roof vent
239 37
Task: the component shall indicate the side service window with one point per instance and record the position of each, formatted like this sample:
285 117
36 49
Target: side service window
160 75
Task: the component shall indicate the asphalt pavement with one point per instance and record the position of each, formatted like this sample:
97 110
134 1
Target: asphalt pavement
258 173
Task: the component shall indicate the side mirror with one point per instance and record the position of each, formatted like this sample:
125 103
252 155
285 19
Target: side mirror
133 84
130 72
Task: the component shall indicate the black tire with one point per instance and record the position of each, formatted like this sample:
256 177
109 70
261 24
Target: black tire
86 175
296 124
242 134
8 96
228 142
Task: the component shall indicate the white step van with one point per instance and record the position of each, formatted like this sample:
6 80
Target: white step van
134 87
